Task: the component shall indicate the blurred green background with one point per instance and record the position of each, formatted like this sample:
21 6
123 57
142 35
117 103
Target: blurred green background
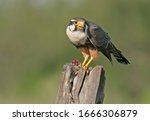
34 47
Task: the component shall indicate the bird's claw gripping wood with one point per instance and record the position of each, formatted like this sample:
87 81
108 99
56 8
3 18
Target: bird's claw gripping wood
78 65
84 67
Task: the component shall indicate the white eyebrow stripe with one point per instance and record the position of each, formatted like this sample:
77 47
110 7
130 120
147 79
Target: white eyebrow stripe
72 20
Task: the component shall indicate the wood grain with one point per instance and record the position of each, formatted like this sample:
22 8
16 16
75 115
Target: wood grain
81 88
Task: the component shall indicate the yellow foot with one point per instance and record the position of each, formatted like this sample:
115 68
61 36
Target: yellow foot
86 69
83 67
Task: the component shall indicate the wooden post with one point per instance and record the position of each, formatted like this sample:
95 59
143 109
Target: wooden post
82 88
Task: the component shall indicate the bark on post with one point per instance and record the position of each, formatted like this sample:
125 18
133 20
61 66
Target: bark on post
82 88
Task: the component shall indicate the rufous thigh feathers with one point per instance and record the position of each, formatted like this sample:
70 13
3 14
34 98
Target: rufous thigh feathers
93 53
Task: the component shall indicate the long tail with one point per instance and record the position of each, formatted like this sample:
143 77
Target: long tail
117 54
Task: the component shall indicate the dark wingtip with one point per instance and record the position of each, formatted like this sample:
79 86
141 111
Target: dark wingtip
126 61
123 61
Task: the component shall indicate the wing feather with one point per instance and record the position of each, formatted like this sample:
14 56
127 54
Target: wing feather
99 39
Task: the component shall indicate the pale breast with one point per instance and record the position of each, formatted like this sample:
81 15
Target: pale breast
76 37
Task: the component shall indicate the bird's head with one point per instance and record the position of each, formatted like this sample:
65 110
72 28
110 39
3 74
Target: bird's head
77 24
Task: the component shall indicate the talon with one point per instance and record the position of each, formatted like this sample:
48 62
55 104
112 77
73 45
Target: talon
86 69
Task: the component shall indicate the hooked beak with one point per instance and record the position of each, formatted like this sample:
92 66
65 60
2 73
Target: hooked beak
80 24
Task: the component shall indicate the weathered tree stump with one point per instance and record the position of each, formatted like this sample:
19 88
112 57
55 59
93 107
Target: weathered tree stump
81 88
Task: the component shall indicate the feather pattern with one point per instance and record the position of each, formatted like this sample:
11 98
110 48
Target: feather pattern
101 41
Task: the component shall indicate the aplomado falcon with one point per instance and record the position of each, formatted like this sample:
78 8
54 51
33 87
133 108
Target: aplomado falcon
92 39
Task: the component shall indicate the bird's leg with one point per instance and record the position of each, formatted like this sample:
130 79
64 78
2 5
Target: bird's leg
85 53
87 64
93 55
85 59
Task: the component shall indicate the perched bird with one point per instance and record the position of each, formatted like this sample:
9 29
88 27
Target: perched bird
92 39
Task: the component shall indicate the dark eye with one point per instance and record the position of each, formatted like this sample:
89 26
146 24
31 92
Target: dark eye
75 22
